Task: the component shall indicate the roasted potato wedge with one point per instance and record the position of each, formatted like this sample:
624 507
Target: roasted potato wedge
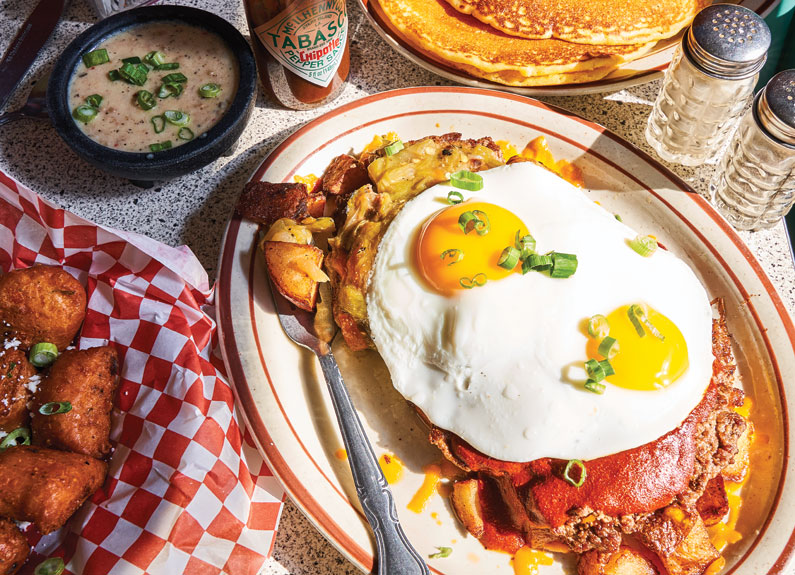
625 561
466 504
265 203
14 548
713 505
681 541
735 471
295 271
344 175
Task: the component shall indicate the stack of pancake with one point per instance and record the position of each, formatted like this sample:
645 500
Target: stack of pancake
536 42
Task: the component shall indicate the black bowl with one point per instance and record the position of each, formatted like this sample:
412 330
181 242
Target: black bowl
144 166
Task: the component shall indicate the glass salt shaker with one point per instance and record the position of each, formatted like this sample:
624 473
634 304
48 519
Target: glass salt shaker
708 84
755 185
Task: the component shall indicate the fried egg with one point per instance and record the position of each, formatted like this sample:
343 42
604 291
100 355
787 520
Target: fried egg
499 361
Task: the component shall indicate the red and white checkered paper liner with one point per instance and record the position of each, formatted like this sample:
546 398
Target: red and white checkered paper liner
187 490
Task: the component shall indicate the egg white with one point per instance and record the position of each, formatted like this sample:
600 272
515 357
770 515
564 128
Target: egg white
494 364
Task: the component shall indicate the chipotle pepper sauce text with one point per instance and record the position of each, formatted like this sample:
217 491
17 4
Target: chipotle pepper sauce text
301 48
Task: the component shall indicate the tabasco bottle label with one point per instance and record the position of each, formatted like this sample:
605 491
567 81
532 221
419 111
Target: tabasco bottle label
308 38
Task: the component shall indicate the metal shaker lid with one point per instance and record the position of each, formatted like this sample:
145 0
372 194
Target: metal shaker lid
776 107
728 41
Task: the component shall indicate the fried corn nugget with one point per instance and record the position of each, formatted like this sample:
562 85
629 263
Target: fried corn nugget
87 379
14 548
45 486
41 304
15 373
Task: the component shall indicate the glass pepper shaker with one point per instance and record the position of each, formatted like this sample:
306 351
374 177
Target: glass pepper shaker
708 84
755 185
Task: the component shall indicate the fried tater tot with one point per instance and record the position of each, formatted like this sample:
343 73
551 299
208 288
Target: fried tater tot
41 304
46 486
14 548
87 379
15 372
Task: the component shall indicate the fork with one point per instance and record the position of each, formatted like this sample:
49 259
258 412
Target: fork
394 553
34 107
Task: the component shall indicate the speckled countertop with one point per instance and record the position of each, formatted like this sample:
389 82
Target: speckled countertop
193 210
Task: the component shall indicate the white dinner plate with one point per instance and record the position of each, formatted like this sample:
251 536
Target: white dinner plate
283 395
649 67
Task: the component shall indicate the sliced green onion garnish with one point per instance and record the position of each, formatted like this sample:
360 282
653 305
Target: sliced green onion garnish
389 150
175 78
176 117
94 100
478 280
483 225
114 75
131 60
168 90
509 258
20 436
539 263
168 66
43 354
607 368
95 58
452 256
55 407
467 180
455 197
160 146
145 100
465 219
159 123
525 244
85 113
595 387
155 58
637 315
598 327
594 370
133 73
212 90
644 245
443 552
582 474
51 566
618 217
185 134
563 265
608 347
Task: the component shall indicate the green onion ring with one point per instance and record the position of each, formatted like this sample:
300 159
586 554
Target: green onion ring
55 407
644 245
563 265
454 255
618 217
464 220
480 279
608 347
567 472
467 180
637 315
167 66
443 552
160 146
185 134
466 283
607 368
455 197
12 438
212 90
133 73
595 387
145 99
94 100
131 60
175 78
483 225
598 327
51 566
170 89
539 263
595 371
389 150
155 58
509 258
114 75
177 117
95 58
525 244
84 113
43 354
159 123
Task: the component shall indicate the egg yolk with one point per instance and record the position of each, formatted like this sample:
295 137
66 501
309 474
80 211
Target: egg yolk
477 254
644 363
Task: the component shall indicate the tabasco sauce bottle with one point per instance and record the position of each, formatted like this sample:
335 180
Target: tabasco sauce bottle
301 48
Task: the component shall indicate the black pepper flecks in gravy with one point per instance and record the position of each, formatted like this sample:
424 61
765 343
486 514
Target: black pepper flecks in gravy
121 124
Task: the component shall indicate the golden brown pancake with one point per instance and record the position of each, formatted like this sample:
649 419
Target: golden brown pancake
584 21
465 43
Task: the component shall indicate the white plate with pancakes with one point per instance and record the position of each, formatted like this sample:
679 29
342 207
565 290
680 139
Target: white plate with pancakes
283 395
454 44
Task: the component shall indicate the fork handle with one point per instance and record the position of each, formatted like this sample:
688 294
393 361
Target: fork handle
394 553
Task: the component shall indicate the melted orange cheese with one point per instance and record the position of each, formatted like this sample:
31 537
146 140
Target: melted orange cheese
309 181
341 454
392 468
508 149
527 560
538 151
429 485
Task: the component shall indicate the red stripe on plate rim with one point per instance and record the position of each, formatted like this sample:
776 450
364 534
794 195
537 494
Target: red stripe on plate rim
297 491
